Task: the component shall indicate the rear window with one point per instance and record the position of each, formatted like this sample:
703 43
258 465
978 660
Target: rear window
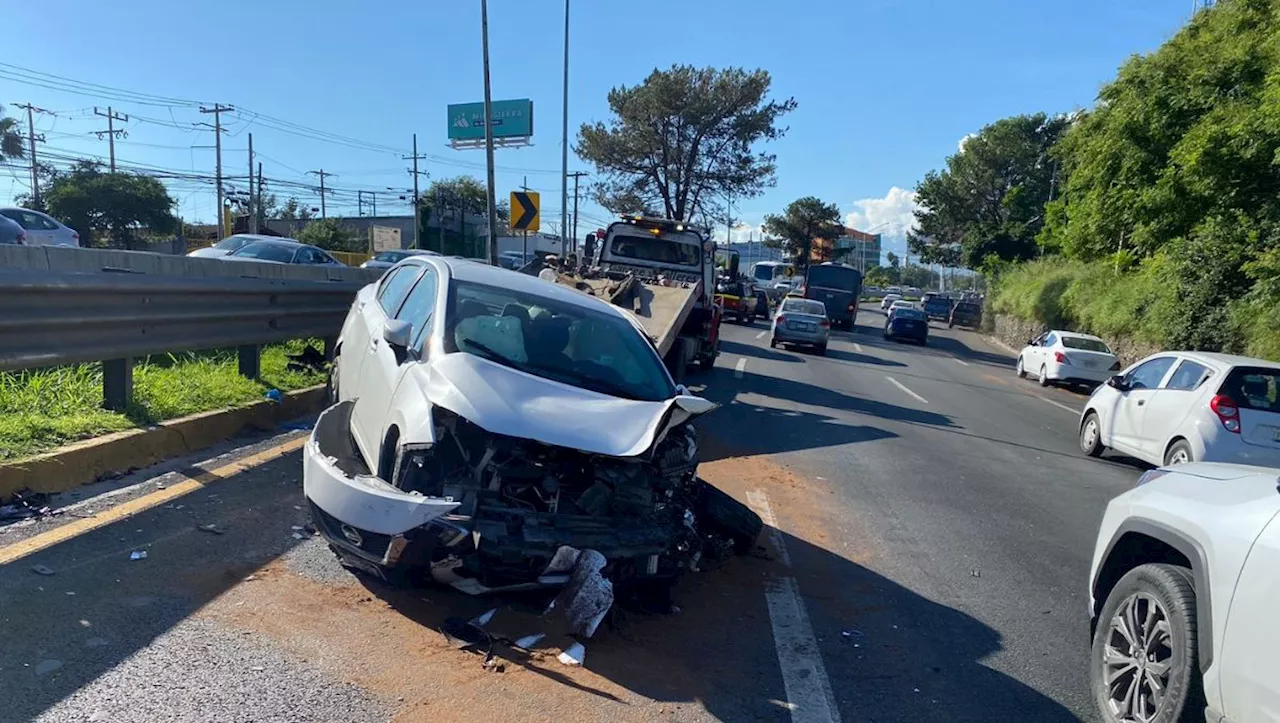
267 251
835 277
1253 388
967 308
231 243
1075 342
805 306
660 250
909 314
390 257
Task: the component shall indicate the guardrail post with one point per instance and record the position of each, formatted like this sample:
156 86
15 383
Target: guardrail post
117 384
250 358
330 346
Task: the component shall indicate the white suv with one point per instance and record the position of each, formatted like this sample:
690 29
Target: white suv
1182 597
1177 407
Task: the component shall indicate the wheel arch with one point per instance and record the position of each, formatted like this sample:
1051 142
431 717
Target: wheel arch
1172 441
1141 542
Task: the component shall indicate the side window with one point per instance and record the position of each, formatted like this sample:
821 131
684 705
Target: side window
395 287
1049 339
419 306
47 223
1148 374
1189 376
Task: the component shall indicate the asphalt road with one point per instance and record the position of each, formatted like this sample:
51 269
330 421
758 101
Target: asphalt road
933 526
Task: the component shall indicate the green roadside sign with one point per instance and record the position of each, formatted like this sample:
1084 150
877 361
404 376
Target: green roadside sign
511 119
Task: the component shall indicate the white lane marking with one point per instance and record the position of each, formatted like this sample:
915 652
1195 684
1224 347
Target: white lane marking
809 696
739 367
857 347
760 335
962 362
1056 404
898 384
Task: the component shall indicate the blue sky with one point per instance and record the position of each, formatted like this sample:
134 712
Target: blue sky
886 88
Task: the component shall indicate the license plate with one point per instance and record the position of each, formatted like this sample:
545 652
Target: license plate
800 326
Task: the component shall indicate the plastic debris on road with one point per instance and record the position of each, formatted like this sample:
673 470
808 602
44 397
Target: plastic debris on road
274 395
42 570
587 596
464 634
210 528
483 619
528 641
138 555
573 655
298 536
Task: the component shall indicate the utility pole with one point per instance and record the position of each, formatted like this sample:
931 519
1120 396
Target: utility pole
417 212
322 174
217 110
575 176
492 241
564 143
253 204
260 192
359 203
111 131
31 143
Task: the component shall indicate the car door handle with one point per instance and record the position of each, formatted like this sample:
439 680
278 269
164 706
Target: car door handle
1141 402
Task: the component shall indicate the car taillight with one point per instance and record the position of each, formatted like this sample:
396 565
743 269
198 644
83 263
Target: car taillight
1060 357
1227 411
1116 367
75 235
850 307
824 323
780 319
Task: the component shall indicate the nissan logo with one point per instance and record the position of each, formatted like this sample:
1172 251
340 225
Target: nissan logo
352 535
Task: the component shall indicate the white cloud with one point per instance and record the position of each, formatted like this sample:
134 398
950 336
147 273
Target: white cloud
963 141
891 216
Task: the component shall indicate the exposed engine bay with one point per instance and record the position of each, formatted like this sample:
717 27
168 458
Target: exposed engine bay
504 511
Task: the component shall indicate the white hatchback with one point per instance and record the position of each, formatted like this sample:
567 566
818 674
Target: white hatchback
1067 356
1178 407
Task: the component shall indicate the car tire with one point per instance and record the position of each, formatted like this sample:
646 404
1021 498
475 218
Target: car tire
1156 605
331 385
821 349
1091 436
773 343
1044 376
1019 370
951 325
1179 453
707 363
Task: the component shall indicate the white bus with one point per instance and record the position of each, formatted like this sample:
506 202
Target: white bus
767 274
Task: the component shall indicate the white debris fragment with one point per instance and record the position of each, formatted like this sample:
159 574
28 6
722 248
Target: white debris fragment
573 655
483 619
138 555
297 535
528 641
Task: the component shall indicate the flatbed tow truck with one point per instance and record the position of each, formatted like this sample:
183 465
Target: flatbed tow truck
663 272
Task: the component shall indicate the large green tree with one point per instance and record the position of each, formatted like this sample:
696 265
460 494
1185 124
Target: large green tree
331 235
803 220
988 203
119 210
684 141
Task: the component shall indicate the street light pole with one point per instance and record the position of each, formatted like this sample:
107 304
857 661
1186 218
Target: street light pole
492 241
564 145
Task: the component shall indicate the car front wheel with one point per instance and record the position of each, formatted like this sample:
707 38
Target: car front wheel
1021 372
1143 664
1091 436
1179 453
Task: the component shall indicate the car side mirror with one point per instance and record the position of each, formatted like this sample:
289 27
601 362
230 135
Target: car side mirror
397 333
1118 383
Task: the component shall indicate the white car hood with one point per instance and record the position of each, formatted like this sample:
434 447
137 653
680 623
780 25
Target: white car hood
502 400
208 253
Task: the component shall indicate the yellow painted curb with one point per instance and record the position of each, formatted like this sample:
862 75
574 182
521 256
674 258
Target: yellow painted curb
87 461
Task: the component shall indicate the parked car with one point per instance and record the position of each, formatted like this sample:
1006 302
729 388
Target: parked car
387 259
1178 407
1067 356
937 307
907 323
42 229
11 232
801 321
966 313
230 244
495 432
282 251
1182 598
888 300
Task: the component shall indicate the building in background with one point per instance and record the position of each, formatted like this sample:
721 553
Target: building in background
856 248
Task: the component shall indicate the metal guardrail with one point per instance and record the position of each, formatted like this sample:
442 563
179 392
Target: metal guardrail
84 305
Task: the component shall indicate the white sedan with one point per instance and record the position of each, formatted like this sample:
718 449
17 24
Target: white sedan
1067 356
42 229
229 245
888 300
491 429
1178 407
1182 598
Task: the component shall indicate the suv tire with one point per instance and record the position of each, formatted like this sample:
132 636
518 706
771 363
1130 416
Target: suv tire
1155 605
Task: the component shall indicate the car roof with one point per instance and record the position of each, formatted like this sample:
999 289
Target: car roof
1075 335
467 270
278 240
1224 361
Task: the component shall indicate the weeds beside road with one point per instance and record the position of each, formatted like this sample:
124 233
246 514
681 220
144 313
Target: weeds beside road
42 409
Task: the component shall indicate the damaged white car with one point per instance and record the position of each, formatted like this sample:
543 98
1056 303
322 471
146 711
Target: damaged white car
489 426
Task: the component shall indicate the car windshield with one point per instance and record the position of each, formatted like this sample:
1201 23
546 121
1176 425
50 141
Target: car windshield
805 306
390 257
231 243
652 248
1254 388
1085 344
266 251
557 340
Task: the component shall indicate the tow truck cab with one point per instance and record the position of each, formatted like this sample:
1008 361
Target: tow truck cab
670 253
